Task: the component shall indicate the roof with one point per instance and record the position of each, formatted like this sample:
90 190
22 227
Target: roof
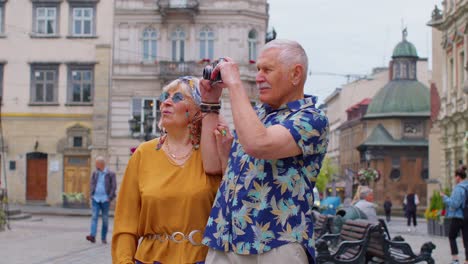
400 98
381 137
365 101
405 49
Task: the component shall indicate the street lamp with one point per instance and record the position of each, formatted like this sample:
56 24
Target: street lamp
142 130
367 156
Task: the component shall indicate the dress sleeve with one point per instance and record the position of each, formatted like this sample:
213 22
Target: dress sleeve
310 131
126 216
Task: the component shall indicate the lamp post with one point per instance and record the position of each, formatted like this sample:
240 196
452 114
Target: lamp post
142 131
367 156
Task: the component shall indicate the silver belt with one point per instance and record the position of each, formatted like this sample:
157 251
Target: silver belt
176 237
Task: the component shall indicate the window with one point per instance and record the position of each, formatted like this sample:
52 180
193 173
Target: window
178 45
178 3
80 84
44 83
461 70
206 44
45 18
149 44
77 142
83 21
395 172
145 111
2 16
252 41
1 81
451 74
413 129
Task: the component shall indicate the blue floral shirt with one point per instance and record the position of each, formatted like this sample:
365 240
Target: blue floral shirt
263 204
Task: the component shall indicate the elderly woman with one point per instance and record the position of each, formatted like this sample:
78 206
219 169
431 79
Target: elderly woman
165 197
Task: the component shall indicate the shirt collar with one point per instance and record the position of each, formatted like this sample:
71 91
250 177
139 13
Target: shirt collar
308 100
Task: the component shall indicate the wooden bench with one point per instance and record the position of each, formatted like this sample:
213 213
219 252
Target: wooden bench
349 246
322 225
383 249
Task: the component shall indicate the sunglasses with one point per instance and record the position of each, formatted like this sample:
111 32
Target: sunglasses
176 97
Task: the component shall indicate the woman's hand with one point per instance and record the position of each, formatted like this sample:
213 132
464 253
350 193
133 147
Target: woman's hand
209 93
224 140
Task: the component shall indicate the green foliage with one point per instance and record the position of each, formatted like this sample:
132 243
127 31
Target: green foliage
74 197
436 207
2 218
326 173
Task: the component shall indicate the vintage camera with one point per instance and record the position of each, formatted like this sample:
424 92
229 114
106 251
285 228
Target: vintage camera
209 69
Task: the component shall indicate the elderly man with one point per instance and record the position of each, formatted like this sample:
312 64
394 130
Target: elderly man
262 211
102 187
366 203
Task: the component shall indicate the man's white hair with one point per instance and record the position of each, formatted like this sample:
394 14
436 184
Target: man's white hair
291 52
101 159
364 192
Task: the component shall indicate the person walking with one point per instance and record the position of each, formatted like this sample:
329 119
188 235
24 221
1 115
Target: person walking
102 186
166 194
263 209
388 208
454 211
411 202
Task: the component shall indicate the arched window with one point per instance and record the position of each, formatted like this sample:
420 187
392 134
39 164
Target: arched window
206 43
252 41
149 44
178 44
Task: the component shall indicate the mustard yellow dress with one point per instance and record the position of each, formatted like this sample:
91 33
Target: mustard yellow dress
159 197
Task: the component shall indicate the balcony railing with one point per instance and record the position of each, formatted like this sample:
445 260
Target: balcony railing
168 7
172 70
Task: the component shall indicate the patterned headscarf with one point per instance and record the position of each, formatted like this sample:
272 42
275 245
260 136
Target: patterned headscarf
192 83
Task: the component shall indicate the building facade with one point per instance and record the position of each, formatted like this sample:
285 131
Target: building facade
158 41
397 123
347 108
450 47
55 59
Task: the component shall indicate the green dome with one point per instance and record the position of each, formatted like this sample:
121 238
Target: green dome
405 49
401 98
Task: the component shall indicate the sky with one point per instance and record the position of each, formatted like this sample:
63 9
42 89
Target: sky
350 36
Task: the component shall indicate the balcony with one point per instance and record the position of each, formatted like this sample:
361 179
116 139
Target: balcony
170 70
176 7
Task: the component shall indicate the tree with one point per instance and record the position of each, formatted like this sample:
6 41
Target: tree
326 174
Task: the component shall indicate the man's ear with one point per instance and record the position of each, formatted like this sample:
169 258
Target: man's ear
296 74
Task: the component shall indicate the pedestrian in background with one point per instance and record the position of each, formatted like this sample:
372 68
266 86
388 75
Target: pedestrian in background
454 206
388 208
102 187
264 205
411 202
366 203
166 195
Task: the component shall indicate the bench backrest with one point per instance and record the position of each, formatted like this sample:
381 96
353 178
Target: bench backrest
353 230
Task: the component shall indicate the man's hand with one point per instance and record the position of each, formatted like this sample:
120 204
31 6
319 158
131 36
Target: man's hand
229 73
209 93
442 194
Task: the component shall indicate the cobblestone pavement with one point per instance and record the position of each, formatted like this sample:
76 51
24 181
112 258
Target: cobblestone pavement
52 239
61 239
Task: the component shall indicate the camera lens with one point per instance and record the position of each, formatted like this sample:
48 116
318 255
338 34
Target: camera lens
207 72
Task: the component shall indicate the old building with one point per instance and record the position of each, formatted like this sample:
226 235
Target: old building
396 130
158 41
450 132
55 61
353 128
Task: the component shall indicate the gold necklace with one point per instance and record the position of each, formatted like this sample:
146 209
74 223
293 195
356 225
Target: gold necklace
173 156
